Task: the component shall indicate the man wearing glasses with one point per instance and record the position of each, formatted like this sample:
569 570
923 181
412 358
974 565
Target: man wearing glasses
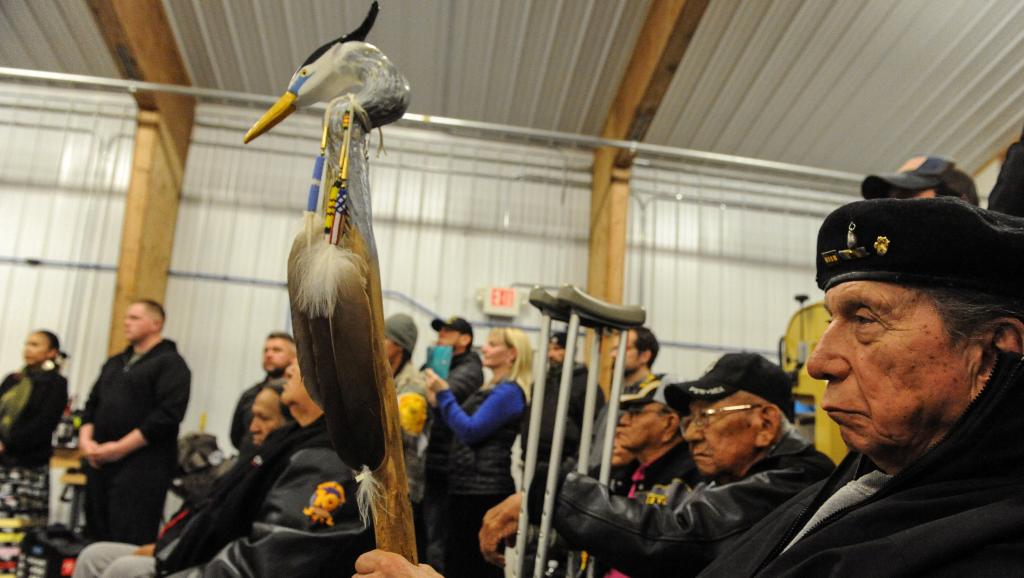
750 456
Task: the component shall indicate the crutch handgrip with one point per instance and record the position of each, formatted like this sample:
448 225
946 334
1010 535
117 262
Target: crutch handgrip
548 304
601 313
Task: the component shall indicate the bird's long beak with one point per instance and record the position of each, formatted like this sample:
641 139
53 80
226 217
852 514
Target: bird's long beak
281 109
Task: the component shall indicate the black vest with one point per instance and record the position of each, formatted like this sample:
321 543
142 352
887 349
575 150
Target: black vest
484 468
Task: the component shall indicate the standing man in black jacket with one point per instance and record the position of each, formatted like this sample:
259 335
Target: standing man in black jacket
129 433
465 376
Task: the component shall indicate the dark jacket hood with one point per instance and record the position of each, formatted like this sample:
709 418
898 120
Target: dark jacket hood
164 347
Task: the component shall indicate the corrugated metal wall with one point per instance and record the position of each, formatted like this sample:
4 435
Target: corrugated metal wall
716 259
64 166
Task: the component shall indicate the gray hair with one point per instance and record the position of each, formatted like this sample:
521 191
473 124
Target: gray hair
966 313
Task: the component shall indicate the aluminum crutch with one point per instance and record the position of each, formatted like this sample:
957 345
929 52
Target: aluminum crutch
549 309
599 314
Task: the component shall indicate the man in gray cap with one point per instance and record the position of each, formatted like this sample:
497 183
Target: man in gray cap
399 342
926 381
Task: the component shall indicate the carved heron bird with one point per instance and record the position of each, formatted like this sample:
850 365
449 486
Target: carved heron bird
334 277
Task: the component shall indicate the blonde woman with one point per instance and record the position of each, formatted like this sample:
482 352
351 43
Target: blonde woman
485 427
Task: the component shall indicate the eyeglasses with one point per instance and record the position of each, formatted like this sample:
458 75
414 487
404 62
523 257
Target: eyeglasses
703 417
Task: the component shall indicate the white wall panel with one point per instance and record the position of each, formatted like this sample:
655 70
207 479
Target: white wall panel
717 261
64 166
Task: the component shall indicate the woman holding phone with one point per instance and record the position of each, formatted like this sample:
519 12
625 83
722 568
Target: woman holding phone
485 427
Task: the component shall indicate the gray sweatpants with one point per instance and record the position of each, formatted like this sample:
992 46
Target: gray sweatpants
113 560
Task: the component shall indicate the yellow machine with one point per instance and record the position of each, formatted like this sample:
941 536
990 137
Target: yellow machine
802 335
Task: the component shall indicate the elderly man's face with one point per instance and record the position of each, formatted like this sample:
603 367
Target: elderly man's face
896 383
643 427
730 442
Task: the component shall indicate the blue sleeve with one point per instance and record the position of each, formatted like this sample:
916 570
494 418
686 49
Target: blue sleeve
504 404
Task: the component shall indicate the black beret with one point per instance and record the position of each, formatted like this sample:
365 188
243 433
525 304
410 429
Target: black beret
941 242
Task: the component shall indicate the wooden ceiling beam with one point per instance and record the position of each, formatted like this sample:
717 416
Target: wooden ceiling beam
141 42
663 40
660 47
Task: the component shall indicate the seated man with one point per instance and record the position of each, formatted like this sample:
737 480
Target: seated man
924 370
288 510
743 445
656 469
278 353
269 413
745 448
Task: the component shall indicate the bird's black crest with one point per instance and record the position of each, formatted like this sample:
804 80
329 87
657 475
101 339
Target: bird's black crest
357 34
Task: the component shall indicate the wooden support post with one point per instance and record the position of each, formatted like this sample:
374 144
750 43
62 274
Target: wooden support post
666 34
140 39
150 213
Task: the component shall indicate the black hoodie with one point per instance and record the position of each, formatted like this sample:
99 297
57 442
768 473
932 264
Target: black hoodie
150 394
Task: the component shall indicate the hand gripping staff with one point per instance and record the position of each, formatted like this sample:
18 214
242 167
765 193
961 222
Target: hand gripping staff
599 315
334 277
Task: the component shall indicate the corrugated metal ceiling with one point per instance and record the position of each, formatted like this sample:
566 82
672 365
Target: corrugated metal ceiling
853 85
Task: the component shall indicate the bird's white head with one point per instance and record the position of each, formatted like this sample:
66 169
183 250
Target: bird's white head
326 73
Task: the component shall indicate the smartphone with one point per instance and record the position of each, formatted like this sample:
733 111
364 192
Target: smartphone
439 359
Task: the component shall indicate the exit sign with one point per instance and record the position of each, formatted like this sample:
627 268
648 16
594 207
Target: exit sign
500 301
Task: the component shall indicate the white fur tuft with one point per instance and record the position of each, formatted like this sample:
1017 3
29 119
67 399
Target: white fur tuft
367 494
325 271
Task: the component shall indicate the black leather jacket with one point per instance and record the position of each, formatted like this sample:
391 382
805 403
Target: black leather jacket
255 521
956 511
682 537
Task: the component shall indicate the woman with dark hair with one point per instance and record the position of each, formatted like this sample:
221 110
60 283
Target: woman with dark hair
31 403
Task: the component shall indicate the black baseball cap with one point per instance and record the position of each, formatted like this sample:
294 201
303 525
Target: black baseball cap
735 372
559 338
455 324
921 173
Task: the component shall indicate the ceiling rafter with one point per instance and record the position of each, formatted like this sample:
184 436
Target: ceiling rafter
663 40
142 44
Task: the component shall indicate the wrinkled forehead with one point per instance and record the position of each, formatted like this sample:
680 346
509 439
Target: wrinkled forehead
880 296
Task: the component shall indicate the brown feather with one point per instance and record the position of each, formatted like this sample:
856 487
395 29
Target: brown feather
337 358
300 325
352 335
